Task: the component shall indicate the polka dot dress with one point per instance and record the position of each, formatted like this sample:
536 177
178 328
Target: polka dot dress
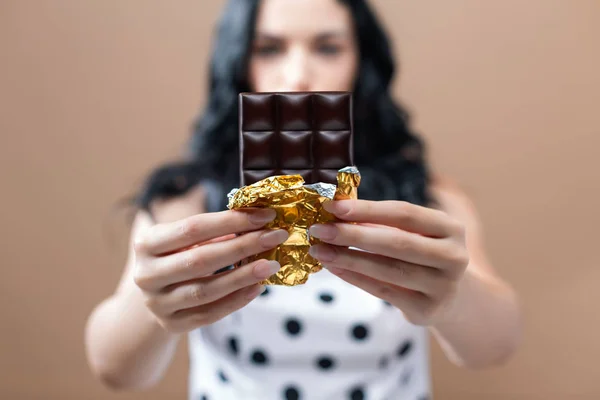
325 340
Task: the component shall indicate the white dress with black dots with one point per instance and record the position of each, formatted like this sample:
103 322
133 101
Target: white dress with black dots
325 340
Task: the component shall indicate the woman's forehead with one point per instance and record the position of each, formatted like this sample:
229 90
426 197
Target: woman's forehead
303 18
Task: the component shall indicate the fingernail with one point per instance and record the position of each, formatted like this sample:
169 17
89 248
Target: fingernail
262 216
323 231
256 292
322 253
339 207
273 238
265 269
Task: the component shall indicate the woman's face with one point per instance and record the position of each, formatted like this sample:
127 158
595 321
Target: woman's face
303 45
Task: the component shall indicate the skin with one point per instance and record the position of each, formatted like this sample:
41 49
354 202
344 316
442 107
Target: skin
303 46
431 264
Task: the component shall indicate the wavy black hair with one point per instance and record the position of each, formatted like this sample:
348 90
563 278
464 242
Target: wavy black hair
388 155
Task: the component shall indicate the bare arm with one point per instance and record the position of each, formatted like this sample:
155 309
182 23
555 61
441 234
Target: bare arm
126 347
483 325
125 344
170 287
430 264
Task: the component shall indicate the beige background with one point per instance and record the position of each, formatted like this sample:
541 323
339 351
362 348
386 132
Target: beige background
94 93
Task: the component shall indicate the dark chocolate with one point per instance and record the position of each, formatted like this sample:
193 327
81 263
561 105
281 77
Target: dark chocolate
286 133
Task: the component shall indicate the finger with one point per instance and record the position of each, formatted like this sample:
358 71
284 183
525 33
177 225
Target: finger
400 273
215 240
392 242
169 237
207 290
220 239
412 303
398 214
207 314
204 260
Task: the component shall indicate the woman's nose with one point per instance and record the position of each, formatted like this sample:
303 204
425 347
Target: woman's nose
296 73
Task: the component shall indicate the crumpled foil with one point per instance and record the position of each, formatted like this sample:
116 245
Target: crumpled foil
298 206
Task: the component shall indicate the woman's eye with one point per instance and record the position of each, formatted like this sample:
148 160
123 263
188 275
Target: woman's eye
328 49
267 50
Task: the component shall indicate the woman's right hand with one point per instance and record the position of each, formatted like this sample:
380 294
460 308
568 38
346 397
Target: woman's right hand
175 265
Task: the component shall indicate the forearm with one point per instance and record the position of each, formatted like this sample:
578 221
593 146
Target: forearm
482 327
126 347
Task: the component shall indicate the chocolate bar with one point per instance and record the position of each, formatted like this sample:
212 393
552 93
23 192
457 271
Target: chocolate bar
288 133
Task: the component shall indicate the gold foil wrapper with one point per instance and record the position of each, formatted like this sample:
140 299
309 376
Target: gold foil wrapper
297 207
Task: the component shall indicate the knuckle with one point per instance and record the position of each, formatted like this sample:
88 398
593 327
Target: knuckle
151 303
204 318
155 306
189 227
403 211
351 263
142 278
458 257
198 293
401 245
242 277
465 259
354 208
457 228
246 246
385 291
192 260
349 234
141 242
404 271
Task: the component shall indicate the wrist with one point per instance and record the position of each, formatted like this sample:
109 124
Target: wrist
454 311
132 307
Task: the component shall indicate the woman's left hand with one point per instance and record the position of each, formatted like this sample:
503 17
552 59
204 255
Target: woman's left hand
413 257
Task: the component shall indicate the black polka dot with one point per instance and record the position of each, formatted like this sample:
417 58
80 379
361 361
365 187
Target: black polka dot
423 397
384 362
387 303
357 393
291 393
293 326
259 357
223 377
405 348
266 292
203 397
326 297
233 346
360 332
325 362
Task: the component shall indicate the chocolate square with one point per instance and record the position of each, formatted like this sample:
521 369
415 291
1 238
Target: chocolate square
294 112
306 133
259 114
296 149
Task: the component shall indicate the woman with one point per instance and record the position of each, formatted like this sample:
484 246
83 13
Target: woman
356 330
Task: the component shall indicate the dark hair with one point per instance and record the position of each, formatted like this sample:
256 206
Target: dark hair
388 155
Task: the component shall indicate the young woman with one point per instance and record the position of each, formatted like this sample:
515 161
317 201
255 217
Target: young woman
359 328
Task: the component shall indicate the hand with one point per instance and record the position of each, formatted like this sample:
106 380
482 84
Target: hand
414 257
175 265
